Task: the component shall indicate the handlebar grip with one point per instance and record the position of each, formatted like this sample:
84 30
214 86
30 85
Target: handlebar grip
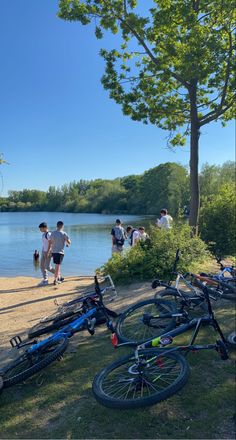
155 284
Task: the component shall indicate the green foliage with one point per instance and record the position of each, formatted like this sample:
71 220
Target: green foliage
172 65
217 221
147 261
165 185
131 194
213 177
167 50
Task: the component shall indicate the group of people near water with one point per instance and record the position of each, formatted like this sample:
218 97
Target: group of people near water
119 234
53 243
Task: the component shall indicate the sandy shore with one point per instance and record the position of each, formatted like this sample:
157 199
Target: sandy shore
23 303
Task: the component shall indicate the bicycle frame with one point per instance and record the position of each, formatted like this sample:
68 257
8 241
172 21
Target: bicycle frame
162 342
91 294
65 332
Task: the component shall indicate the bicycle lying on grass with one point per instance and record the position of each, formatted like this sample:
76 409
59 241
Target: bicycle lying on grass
135 324
39 354
224 282
68 311
155 371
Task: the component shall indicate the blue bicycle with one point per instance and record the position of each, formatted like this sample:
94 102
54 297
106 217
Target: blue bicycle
224 283
68 311
37 355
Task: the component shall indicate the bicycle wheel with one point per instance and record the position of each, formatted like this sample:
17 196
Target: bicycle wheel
146 320
28 364
61 313
127 383
229 289
179 297
60 321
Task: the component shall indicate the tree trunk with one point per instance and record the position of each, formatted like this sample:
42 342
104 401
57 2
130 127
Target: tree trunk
194 140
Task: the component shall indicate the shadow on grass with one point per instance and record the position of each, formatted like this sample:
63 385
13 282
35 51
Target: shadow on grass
58 402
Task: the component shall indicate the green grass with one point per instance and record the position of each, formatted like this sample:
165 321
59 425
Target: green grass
58 403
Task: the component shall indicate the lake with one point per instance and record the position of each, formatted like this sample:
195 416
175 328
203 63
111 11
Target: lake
89 233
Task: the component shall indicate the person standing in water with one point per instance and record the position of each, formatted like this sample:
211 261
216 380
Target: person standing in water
57 242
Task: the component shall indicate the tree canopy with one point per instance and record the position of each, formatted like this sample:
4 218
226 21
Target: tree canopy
165 186
173 64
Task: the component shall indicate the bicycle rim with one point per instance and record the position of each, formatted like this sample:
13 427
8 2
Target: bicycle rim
133 327
122 385
26 365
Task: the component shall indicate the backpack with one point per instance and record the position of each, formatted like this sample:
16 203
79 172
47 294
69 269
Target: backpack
119 236
131 237
46 235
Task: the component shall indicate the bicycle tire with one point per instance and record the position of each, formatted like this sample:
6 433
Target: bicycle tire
164 364
42 328
62 313
42 359
229 290
144 332
175 296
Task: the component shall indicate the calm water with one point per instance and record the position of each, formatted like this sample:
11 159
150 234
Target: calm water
90 235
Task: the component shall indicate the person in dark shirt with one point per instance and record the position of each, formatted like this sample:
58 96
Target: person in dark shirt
118 236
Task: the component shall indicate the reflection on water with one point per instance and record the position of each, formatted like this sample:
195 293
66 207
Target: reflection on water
90 235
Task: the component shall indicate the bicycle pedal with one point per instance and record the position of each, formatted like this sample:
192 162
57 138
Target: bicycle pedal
16 341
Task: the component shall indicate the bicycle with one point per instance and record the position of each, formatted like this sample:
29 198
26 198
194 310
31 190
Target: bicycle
155 371
225 285
39 354
137 322
67 312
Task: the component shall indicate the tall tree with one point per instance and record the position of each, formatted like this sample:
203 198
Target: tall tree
174 65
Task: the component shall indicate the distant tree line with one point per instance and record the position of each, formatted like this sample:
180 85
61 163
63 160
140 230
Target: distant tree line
165 186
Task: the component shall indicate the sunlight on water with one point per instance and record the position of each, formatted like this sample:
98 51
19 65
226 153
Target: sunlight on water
90 235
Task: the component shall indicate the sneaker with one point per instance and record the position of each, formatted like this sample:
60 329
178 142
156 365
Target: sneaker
43 283
55 282
61 279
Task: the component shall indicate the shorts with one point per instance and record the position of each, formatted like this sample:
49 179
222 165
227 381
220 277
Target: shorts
57 258
117 249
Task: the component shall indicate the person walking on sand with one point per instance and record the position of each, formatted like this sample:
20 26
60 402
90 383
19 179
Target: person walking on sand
118 236
57 242
165 222
45 260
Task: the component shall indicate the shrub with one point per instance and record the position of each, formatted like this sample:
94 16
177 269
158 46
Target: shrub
155 259
217 221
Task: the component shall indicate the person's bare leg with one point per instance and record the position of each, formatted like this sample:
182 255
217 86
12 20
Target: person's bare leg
57 271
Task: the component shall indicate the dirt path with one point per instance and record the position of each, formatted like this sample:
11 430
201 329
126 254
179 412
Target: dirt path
22 303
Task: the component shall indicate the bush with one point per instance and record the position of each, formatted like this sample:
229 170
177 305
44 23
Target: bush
155 259
217 221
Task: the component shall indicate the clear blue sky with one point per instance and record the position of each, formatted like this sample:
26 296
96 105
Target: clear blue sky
57 124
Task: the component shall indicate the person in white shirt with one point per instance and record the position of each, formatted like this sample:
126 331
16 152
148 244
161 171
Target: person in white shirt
143 235
134 235
45 258
165 222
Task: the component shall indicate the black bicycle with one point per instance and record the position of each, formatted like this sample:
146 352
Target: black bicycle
68 311
155 370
